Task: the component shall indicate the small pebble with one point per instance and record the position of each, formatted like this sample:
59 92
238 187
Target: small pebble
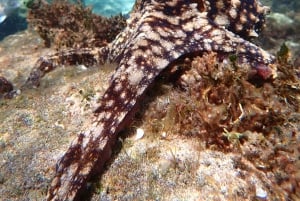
261 193
164 134
139 134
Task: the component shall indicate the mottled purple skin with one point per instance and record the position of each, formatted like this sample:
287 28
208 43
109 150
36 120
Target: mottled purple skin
5 86
158 32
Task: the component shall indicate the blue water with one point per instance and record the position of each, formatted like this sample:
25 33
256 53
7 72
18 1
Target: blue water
110 7
15 22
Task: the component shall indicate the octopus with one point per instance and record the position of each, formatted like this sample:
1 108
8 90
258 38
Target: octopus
158 33
5 86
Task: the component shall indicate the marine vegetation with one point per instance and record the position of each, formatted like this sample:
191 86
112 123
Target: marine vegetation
223 107
62 24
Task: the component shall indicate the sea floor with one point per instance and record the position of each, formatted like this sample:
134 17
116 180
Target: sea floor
37 126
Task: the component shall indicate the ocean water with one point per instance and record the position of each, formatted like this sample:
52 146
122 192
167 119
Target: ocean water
16 21
110 7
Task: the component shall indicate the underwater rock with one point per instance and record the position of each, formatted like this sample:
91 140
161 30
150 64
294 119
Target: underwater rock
281 21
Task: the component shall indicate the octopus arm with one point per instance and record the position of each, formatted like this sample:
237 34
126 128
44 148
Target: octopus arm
92 148
5 86
46 64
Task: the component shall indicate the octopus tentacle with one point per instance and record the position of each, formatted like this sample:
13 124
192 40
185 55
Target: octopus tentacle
5 86
46 64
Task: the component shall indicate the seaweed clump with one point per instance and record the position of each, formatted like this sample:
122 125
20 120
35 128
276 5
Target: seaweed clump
221 104
231 110
64 24
224 106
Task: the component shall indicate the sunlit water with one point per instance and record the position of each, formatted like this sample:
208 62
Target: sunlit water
110 7
15 22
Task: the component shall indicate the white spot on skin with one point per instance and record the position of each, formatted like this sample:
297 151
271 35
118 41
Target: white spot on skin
118 87
143 42
97 131
253 51
253 33
87 168
233 13
126 101
167 45
215 32
85 142
110 103
198 36
132 102
123 95
150 76
140 91
161 63
179 34
123 77
243 19
206 28
154 36
157 49
135 77
222 20
207 46
107 115
102 143
189 26
179 42
162 32
227 48
175 54
146 28
71 173
237 3
238 27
